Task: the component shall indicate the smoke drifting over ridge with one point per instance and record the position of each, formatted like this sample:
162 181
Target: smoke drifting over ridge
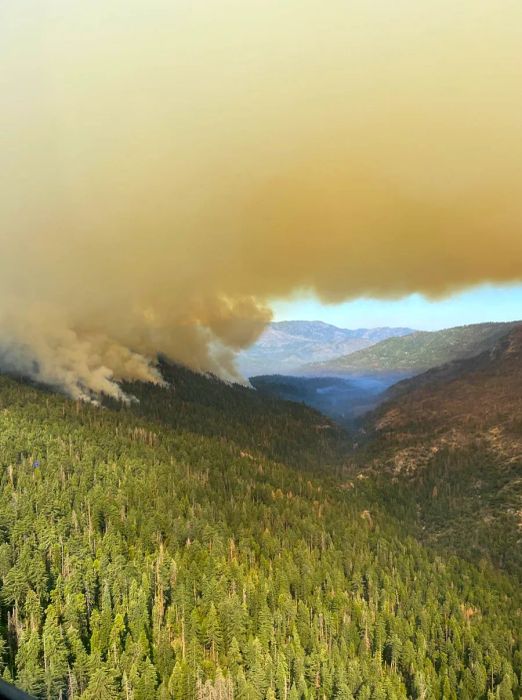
168 168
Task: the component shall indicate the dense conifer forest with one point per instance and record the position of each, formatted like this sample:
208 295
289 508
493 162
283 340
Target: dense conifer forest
207 543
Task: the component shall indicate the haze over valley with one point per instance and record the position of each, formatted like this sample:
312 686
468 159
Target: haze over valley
353 380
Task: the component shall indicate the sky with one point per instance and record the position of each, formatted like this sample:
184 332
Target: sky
476 305
169 168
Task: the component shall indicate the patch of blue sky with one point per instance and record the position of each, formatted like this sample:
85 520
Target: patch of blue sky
486 302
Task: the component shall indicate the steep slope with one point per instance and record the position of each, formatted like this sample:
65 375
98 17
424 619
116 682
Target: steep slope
287 345
148 556
455 433
476 399
284 431
417 352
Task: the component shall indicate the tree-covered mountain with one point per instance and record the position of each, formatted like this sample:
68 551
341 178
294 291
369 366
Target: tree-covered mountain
210 543
416 352
452 438
286 346
204 405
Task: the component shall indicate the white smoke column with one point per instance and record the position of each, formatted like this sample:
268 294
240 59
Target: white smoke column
40 346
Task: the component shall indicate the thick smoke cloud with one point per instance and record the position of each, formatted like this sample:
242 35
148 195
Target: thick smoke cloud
169 168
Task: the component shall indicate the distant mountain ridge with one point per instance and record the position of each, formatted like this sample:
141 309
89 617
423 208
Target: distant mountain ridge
286 346
416 352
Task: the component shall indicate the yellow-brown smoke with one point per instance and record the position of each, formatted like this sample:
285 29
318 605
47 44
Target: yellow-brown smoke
170 167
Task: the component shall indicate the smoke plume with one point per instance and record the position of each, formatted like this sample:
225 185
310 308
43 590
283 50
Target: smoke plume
170 168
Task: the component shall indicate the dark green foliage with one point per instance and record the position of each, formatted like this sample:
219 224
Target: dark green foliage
283 431
159 552
463 500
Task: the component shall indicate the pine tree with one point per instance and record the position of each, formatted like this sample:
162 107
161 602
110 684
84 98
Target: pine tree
213 634
30 673
102 686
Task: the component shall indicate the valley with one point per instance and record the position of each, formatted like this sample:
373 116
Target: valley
343 399
347 387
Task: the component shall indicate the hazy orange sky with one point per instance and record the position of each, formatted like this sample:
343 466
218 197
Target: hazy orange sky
171 168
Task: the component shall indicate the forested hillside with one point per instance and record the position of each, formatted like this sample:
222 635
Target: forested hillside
452 439
281 430
177 548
